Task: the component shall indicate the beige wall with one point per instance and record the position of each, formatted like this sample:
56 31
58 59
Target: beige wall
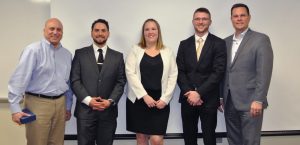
22 23
10 133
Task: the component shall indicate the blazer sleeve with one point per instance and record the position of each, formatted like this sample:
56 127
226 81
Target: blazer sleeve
171 79
182 80
118 89
75 78
264 66
132 73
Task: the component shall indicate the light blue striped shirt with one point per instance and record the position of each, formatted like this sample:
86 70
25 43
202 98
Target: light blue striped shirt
42 69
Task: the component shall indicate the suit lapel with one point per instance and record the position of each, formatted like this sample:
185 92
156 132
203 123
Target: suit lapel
242 46
92 58
205 48
192 50
229 50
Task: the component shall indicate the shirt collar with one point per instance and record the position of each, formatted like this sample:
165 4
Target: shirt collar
50 45
203 37
241 36
104 48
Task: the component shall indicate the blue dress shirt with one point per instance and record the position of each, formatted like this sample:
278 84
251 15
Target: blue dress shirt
42 69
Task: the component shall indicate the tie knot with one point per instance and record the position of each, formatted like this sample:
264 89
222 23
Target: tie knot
100 50
200 40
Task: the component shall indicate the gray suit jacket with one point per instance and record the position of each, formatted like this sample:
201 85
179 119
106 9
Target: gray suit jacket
248 76
86 80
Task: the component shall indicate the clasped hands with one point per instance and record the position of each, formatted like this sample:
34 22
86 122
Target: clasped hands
193 98
152 103
97 103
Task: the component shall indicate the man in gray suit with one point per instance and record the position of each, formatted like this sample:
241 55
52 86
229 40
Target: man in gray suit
247 79
97 79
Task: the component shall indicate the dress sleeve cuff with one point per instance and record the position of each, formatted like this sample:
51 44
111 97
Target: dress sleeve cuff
15 108
87 100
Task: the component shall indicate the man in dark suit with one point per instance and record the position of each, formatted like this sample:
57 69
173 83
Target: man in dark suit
248 76
201 61
98 85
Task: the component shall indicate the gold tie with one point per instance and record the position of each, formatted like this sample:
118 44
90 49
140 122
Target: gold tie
199 48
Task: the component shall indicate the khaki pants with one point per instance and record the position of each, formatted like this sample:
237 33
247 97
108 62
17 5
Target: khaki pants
49 126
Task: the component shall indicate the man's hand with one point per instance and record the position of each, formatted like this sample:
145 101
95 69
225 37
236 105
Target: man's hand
256 109
221 107
68 115
149 101
104 103
193 98
95 103
17 116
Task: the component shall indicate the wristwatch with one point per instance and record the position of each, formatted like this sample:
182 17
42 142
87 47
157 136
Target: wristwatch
112 102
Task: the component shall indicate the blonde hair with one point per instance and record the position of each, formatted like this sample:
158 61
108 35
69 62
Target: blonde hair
159 44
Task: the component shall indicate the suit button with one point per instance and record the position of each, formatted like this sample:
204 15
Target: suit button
99 80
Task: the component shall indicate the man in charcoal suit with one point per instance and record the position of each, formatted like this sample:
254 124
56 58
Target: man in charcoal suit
97 79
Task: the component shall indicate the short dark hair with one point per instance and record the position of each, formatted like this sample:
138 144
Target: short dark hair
100 21
237 5
202 9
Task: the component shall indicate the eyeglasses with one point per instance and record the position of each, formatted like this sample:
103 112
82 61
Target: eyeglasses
201 19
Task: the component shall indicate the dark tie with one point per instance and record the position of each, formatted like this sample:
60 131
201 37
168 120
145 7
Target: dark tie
100 59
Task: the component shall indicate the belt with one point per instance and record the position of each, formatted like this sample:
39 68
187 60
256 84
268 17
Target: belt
44 96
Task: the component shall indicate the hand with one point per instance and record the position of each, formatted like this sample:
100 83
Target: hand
149 101
193 98
104 103
160 104
256 109
95 103
17 116
221 107
68 115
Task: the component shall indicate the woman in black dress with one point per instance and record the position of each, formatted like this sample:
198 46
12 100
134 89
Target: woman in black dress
151 72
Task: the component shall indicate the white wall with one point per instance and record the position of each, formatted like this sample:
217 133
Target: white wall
278 19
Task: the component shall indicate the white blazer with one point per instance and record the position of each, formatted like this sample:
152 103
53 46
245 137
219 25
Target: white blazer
133 74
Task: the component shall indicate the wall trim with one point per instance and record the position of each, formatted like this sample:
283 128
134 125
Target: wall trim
3 100
179 135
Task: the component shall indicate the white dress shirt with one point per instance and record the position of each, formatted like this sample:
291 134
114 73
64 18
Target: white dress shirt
236 41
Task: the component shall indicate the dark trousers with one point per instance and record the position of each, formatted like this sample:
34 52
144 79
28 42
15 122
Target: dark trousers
190 116
99 131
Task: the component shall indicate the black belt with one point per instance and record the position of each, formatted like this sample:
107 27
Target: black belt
44 96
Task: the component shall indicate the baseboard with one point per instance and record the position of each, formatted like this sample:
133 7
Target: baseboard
179 135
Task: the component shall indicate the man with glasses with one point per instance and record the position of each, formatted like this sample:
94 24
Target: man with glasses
201 61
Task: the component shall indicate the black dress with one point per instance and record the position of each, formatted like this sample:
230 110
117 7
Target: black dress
141 118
